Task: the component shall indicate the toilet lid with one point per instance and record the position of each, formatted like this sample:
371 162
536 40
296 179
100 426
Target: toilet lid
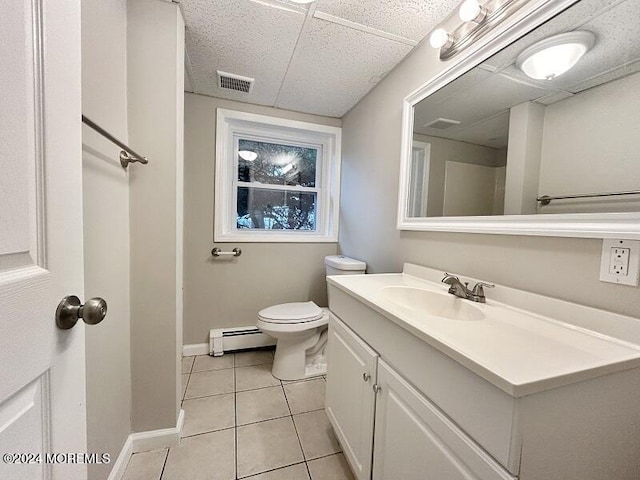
291 313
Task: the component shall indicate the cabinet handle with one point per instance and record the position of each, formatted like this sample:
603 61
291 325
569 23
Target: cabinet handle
366 377
376 388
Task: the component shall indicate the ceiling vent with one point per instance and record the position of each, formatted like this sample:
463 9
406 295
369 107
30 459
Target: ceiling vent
237 83
441 123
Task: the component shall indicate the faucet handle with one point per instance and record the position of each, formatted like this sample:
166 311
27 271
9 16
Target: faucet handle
448 276
478 289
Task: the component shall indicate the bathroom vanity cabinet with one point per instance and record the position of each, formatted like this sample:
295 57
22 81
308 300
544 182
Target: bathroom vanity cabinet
412 438
350 398
404 409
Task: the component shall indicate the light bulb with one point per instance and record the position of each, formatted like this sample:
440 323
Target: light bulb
471 11
439 38
247 155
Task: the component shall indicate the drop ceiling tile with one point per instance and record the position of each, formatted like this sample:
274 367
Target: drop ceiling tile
334 67
486 99
553 98
571 19
615 50
467 81
242 37
606 77
411 19
303 7
492 132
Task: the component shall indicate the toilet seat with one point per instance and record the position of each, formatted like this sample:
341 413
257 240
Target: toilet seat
291 313
294 318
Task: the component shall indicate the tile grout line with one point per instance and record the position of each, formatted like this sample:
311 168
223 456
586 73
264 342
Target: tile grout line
236 426
251 423
235 419
164 464
209 396
208 432
240 391
295 427
186 387
270 471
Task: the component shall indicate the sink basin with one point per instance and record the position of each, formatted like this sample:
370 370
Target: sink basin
441 305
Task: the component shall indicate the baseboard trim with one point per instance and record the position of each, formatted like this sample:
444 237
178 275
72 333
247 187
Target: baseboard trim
120 465
195 349
154 439
145 441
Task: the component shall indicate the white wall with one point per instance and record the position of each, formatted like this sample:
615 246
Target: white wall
470 189
590 144
444 150
559 267
106 228
228 293
155 85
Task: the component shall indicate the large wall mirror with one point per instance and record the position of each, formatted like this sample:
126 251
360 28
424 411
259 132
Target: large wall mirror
486 144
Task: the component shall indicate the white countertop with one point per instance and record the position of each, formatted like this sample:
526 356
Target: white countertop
519 351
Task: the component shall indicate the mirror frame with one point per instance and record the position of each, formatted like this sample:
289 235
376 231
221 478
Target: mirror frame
624 225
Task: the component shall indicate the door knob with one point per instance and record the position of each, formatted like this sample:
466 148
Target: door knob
70 310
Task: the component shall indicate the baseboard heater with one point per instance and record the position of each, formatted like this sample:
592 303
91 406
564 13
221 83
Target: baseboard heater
238 338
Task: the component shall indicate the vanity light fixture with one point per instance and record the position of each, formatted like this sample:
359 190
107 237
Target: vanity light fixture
439 38
472 11
247 155
478 17
553 56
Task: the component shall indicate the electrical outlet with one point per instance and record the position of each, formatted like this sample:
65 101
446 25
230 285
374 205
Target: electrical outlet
620 262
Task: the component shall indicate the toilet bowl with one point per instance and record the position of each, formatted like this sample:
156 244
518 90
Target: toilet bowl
300 329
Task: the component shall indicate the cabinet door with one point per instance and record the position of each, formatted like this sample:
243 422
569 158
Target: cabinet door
415 441
350 401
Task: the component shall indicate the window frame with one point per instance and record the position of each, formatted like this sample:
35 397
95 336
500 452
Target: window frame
231 126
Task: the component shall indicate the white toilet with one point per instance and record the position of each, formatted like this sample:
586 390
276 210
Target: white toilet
300 328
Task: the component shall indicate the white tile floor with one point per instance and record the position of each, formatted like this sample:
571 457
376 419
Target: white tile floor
241 422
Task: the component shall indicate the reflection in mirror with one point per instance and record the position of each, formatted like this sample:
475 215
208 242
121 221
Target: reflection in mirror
419 186
495 140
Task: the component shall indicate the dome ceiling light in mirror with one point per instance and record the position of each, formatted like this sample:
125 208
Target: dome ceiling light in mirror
553 56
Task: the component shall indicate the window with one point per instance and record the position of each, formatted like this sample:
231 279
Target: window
276 180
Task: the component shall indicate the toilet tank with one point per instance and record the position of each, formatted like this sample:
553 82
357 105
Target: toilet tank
341 265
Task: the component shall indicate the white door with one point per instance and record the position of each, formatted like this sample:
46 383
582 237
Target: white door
350 398
42 384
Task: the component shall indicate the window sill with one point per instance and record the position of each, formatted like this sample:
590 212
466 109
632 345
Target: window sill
254 237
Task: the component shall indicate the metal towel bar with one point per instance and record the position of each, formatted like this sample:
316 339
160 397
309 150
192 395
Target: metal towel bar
546 199
216 252
127 155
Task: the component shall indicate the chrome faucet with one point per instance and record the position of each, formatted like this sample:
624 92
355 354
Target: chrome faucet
459 290
455 286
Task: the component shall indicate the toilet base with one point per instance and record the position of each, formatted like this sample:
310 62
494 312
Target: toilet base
312 370
298 358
